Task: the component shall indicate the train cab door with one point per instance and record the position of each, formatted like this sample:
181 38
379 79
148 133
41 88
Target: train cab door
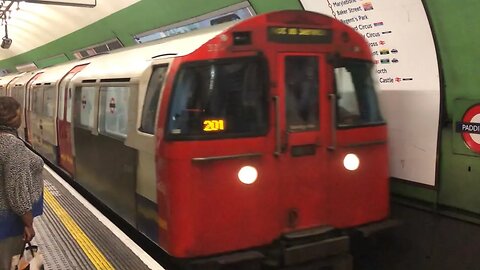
301 107
64 121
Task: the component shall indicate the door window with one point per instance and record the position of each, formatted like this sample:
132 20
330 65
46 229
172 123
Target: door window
301 87
113 111
49 101
152 99
18 95
37 104
69 105
61 99
86 105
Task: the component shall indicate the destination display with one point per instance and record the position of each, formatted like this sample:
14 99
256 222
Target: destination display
299 35
213 125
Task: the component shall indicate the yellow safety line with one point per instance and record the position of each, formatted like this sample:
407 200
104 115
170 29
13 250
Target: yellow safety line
89 248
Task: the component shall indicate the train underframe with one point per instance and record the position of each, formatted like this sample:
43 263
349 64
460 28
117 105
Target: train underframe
323 248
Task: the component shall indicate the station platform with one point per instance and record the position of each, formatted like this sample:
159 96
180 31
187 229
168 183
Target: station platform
72 234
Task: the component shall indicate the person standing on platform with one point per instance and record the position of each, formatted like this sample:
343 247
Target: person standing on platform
21 185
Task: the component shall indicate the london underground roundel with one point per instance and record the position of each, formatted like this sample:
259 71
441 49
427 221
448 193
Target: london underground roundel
470 128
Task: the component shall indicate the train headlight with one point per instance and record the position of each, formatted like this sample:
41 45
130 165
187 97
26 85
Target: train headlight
247 175
351 162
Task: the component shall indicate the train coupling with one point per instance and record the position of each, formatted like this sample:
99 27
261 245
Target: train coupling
316 248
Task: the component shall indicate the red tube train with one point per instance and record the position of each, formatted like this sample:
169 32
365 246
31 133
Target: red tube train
259 140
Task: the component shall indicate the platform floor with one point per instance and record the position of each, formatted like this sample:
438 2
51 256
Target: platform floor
71 234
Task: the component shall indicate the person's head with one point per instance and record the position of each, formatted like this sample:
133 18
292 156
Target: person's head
10 113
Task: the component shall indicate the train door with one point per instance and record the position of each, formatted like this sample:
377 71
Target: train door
301 148
64 120
28 107
44 120
148 221
35 116
22 98
104 165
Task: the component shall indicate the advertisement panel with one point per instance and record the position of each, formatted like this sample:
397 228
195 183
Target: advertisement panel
403 48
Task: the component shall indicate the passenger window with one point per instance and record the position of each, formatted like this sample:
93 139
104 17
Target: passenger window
21 97
152 99
49 101
113 110
357 102
301 86
20 93
86 104
17 95
37 100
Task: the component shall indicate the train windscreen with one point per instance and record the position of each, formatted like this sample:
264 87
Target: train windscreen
225 98
357 102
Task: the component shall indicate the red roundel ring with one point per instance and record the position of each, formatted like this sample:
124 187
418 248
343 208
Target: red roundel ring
472 115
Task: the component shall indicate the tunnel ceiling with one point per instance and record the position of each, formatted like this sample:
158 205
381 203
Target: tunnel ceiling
31 25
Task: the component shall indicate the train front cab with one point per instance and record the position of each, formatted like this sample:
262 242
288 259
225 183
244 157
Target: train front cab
272 134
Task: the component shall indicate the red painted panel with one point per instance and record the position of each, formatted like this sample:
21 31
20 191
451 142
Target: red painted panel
65 144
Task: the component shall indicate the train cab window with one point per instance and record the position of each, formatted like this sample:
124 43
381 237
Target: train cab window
152 99
37 103
219 99
357 102
113 111
49 101
301 86
85 104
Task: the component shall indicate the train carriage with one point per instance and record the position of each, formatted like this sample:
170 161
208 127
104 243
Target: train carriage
19 89
6 83
44 112
258 140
